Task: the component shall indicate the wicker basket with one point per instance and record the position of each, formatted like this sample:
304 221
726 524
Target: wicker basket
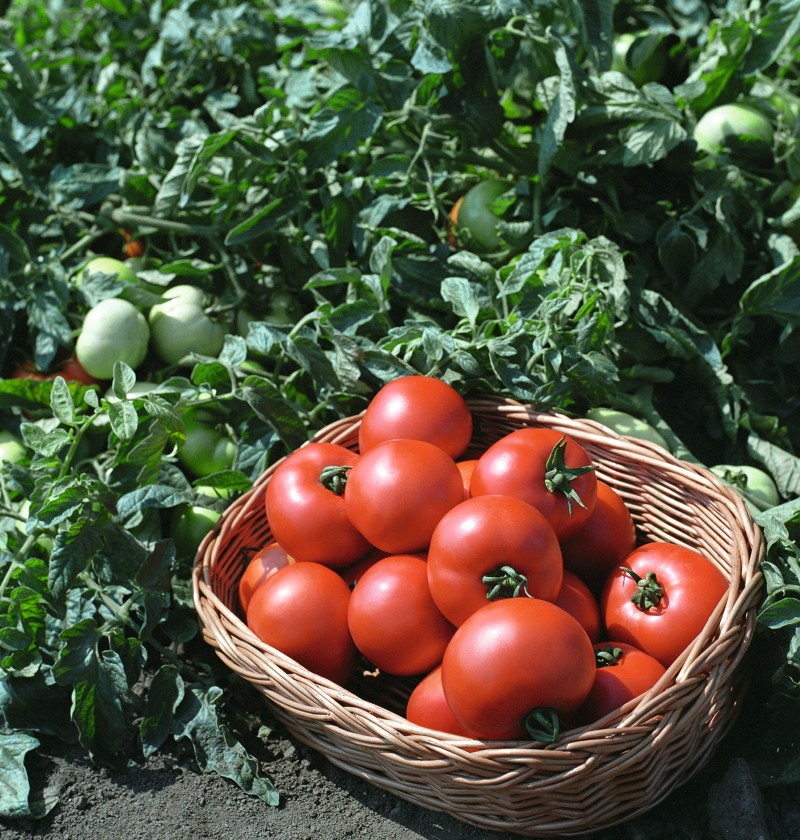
591 778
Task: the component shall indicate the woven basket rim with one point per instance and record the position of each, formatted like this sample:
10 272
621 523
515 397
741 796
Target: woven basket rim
732 627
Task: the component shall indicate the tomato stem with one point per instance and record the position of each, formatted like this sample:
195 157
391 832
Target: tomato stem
543 724
505 582
334 478
607 656
649 591
558 476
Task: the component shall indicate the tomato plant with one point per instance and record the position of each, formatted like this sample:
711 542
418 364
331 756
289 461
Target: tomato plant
305 505
660 599
181 326
427 706
623 673
545 468
516 665
577 599
492 547
417 407
603 541
397 492
473 216
263 564
113 330
301 611
393 619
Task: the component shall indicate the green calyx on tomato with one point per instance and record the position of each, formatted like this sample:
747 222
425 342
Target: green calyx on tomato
543 725
334 478
607 656
649 591
558 477
505 582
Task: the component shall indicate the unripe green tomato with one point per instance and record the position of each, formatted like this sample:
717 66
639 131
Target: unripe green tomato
180 326
205 450
114 330
190 523
738 129
753 483
11 448
626 424
631 59
107 265
475 222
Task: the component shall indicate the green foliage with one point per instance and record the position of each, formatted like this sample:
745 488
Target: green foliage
274 150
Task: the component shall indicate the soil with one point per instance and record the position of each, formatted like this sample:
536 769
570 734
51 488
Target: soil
167 797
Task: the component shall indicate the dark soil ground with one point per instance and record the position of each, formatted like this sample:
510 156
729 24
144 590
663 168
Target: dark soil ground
166 797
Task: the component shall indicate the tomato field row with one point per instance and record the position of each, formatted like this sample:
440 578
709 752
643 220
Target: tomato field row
224 226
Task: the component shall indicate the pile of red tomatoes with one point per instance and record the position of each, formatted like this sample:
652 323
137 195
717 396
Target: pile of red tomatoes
509 586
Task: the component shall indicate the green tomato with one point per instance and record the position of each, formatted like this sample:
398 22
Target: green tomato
180 326
107 265
189 524
205 450
475 221
11 448
753 483
641 57
738 129
113 331
626 424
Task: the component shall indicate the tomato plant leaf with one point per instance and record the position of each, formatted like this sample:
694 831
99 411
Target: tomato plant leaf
15 789
164 696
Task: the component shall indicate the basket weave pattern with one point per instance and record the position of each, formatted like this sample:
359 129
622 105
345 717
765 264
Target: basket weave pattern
591 777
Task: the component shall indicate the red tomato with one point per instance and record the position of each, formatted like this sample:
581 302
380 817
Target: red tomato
427 706
265 562
661 598
306 516
399 490
604 540
466 469
352 572
545 468
70 368
491 547
623 672
420 408
301 611
513 661
393 619
577 599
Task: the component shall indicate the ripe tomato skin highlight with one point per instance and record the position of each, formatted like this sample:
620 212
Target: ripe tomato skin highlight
633 673
393 619
264 563
427 706
692 587
512 657
301 611
398 491
602 542
516 465
479 536
577 599
307 518
420 408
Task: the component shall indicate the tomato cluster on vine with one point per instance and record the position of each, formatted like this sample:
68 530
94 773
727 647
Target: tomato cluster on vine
506 582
